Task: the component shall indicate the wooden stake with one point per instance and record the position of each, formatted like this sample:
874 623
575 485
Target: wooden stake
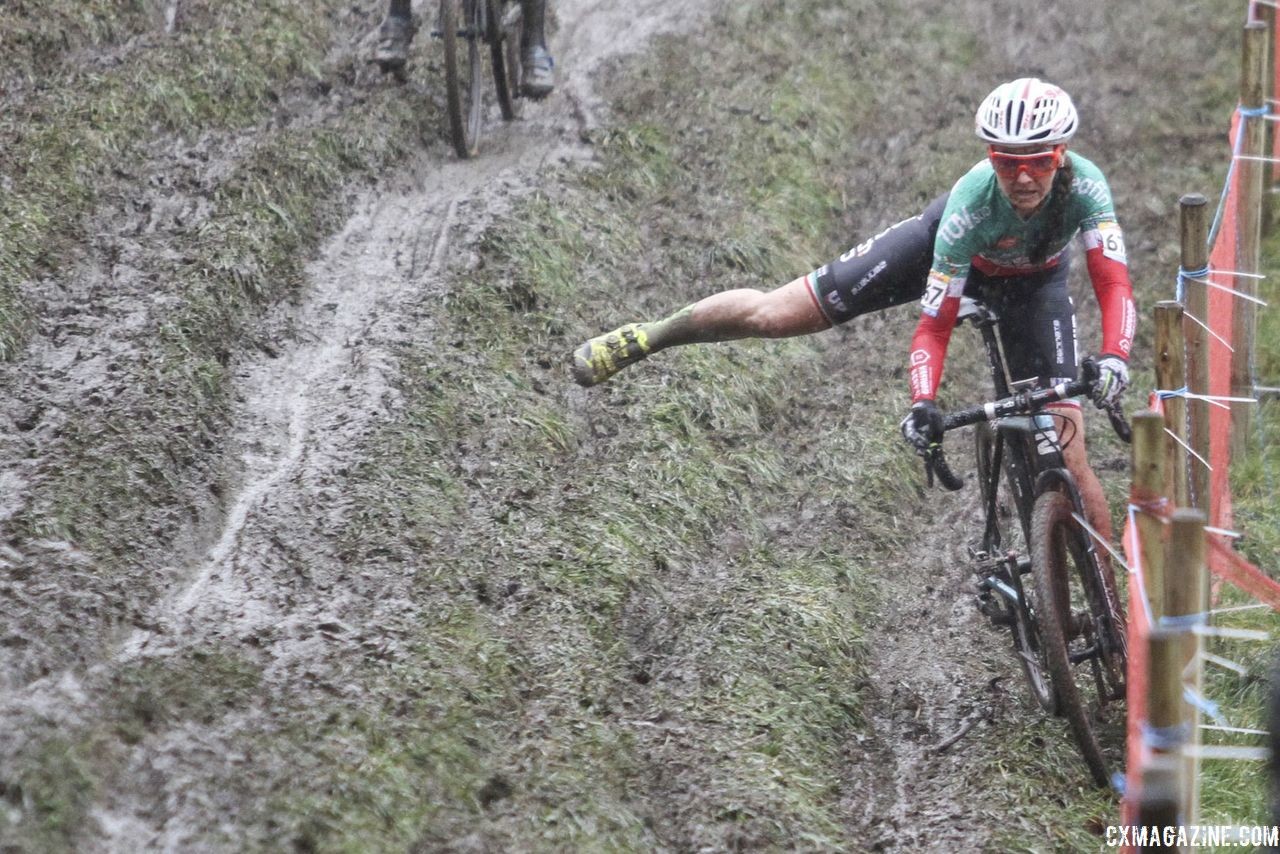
1265 13
1164 691
1184 595
1148 489
1171 375
1160 798
1195 256
1249 223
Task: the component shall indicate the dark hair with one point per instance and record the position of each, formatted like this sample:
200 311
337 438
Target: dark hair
1059 196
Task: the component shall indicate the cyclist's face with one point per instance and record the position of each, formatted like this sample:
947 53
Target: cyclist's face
1025 173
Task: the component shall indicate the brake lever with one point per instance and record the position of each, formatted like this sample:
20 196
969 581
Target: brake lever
1120 424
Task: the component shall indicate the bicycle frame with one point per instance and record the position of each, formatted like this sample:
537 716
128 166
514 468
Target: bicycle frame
1032 440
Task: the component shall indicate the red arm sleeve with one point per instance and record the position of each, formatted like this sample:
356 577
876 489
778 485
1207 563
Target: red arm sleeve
1115 297
929 348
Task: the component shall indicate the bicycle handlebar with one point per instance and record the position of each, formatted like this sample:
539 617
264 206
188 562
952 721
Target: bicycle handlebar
1022 403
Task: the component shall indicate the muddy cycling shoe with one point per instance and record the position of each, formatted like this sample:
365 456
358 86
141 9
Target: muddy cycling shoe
538 77
392 51
605 355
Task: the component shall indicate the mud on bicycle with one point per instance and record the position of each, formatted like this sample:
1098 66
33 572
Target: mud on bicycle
1052 589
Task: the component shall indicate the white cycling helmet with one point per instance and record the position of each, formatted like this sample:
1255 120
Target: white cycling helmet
1026 111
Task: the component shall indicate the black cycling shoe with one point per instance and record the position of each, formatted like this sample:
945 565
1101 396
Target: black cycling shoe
394 36
538 73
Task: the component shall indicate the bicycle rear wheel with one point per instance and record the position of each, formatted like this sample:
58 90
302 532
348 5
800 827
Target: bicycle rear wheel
462 27
1079 625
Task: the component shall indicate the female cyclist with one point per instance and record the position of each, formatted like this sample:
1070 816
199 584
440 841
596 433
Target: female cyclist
1004 238
1002 234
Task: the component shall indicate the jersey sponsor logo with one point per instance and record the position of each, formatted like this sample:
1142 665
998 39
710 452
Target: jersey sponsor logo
866 280
919 357
1007 242
921 381
1130 322
961 223
1094 189
836 302
935 291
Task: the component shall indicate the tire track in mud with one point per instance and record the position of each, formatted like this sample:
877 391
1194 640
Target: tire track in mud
936 672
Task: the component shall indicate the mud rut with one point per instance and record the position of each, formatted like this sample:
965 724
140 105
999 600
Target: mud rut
267 572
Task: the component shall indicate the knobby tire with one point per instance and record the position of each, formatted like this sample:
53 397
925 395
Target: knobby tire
463 86
507 23
1062 568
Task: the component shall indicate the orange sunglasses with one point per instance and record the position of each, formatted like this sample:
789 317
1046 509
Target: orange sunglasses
1038 164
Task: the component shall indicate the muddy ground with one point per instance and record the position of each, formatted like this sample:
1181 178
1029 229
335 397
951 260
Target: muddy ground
166 678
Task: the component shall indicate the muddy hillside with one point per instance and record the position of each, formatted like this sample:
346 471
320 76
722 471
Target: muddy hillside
310 543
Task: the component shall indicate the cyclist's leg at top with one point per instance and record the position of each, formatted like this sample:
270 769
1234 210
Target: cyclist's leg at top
392 50
1038 332
538 77
887 270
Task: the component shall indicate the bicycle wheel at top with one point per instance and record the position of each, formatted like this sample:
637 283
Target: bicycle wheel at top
1078 628
461 29
504 49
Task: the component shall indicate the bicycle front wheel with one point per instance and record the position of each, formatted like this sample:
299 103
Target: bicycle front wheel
505 56
1079 624
462 27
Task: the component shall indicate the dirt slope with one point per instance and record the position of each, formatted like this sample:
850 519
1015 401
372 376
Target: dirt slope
169 694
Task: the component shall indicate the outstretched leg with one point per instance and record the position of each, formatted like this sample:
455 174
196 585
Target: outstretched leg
726 316
886 270
539 77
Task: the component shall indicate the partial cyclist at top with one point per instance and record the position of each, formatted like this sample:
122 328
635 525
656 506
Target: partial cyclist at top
1003 234
538 78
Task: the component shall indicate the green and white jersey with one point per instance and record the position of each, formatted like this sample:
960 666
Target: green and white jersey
980 227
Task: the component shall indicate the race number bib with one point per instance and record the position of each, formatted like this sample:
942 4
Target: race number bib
1108 237
935 291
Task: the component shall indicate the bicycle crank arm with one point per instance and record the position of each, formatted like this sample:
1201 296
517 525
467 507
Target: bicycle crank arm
997 585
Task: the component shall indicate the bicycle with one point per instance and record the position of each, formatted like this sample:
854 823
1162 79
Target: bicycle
1067 625
469 25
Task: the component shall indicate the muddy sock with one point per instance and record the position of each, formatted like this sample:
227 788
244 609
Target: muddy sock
533 34
676 330
399 9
